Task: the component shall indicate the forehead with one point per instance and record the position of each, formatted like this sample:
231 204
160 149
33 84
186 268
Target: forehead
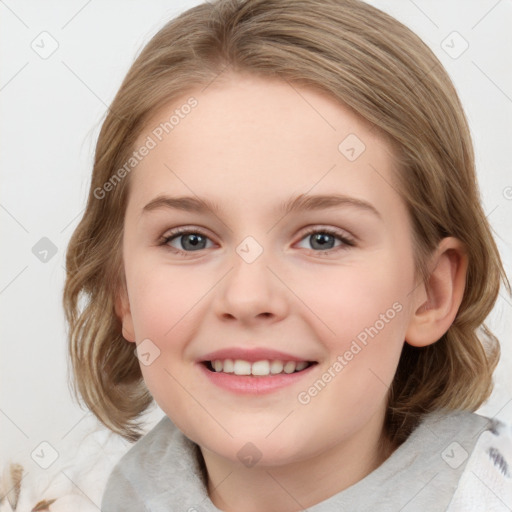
250 140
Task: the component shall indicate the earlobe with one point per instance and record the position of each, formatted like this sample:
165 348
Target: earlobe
439 299
123 312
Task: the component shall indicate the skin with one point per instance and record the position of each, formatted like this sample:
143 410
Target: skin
249 145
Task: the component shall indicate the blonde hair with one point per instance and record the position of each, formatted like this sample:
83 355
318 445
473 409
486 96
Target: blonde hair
381 70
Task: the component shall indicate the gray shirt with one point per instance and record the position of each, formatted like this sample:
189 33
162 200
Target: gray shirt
162 471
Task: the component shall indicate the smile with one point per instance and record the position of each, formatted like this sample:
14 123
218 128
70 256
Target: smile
262 368
259 377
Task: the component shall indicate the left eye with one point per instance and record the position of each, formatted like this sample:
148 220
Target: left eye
324 240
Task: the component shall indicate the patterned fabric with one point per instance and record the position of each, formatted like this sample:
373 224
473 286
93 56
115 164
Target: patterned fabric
486 483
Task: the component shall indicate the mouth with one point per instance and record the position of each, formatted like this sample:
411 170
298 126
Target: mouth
262 368
254 371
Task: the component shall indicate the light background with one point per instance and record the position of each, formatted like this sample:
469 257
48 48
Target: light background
51 112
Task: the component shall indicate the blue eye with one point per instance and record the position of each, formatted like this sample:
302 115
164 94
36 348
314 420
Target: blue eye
187 240
323 239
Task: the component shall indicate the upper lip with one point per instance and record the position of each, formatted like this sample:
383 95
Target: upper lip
251 355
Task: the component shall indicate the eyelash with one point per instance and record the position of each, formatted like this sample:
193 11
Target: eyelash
346 240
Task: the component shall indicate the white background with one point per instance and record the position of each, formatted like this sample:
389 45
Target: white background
51 112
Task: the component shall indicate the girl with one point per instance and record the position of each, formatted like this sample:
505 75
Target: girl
284 247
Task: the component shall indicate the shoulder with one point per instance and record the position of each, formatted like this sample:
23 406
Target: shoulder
426 470
132 481
465 426
486 482
447 437
458 435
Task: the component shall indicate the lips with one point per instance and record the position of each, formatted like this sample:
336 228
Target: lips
251 355
254 385
254 363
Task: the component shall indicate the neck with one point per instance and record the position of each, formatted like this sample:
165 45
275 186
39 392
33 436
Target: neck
301 484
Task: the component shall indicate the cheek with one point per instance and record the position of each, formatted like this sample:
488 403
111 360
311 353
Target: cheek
351 300
163 302
161 298
361 323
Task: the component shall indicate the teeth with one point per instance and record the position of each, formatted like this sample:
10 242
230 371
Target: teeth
289 367
242 367
259 368
276 367
229 366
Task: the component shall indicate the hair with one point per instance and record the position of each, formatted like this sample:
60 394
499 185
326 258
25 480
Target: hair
385 74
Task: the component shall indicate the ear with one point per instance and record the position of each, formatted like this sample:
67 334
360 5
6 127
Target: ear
123 312
436 303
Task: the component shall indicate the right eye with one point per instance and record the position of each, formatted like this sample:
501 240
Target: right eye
184 240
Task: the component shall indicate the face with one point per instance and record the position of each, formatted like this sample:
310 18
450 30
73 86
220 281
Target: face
269 307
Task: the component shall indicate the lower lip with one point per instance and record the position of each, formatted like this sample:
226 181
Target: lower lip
251 384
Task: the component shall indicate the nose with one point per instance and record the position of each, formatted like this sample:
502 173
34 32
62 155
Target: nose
251 293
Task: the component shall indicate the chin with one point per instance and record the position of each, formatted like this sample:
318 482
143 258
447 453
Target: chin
251 448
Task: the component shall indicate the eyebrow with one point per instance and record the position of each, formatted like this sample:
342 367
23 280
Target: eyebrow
302 202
